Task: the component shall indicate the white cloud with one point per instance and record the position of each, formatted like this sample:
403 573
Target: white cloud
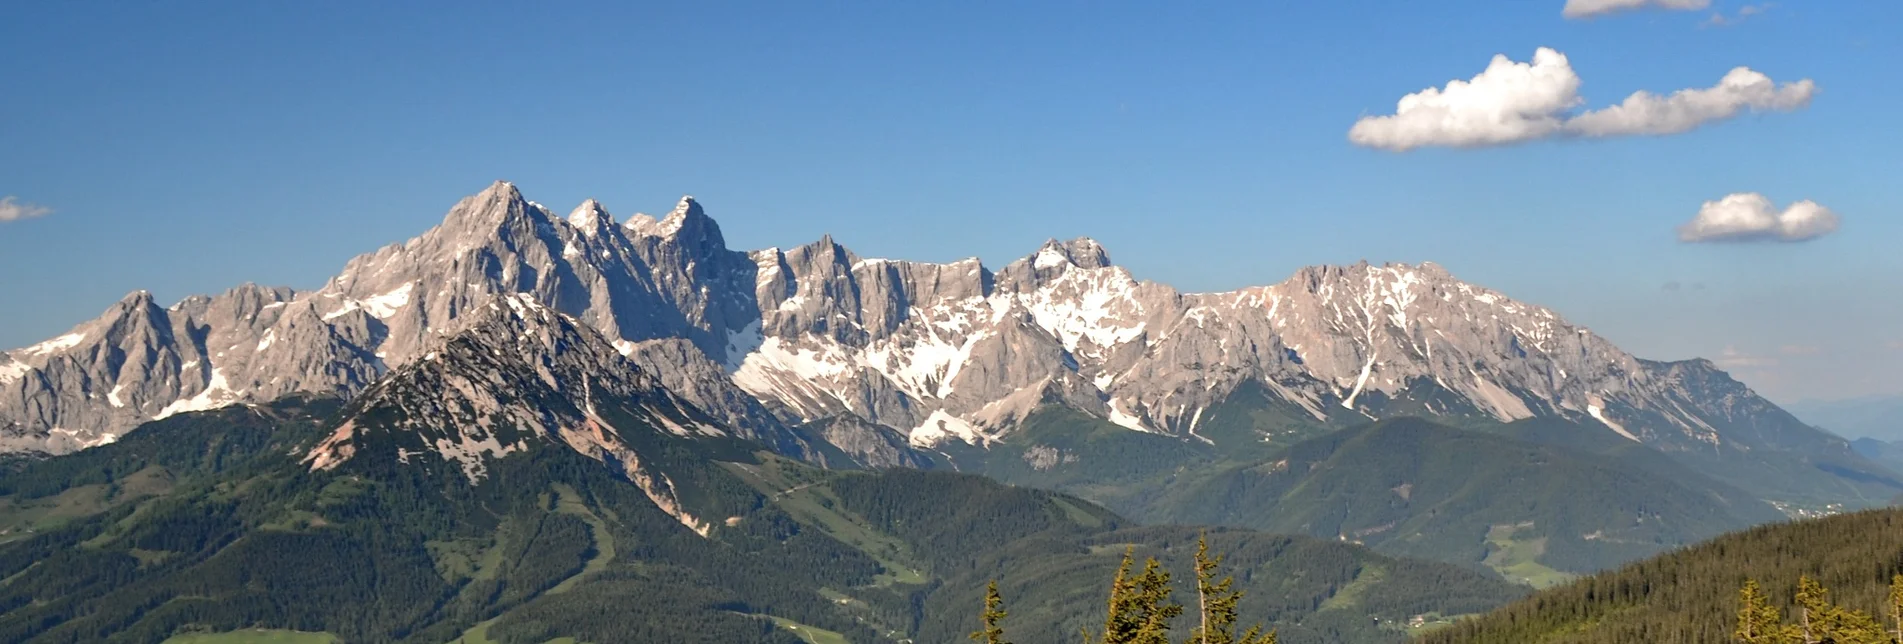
1590 8
1686 109
1749 216
1732 358
12 210
1512 102
1719 19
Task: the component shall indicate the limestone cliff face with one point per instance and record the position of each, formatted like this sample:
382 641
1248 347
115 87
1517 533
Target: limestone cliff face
765 341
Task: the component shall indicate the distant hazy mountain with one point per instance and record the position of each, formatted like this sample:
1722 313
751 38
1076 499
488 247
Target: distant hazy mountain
1878 417
1887 453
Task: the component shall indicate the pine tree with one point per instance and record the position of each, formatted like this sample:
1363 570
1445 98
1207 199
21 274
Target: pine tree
1824 622
1896 607
992 632
1810 600
1153 591
1120 626
1140 610
1758 621
1216 603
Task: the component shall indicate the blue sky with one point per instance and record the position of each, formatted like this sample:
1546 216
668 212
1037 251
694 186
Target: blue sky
187 147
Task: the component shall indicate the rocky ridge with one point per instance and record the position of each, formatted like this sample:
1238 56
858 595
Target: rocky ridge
777 338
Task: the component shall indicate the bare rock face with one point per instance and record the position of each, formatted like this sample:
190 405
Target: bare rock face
769 341
520 377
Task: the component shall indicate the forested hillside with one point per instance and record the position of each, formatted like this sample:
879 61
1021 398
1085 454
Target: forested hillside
1538 501
208 522
1692 596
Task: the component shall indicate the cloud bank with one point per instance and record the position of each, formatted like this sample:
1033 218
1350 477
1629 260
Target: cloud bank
1749 216
1684 110
13 210
1513 102
1590 8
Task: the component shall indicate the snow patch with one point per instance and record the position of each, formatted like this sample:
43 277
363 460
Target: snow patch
67 341
1084 305
742 343
216 394
12 370
385 305
942 426
1048 257
1360 381
1592 409
623 347
1118 417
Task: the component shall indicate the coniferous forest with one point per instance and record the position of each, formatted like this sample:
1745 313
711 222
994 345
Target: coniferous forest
209 523
1758 586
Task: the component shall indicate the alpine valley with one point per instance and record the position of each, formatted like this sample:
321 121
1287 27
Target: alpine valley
519 426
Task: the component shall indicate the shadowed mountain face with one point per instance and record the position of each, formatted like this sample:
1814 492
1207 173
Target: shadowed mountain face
945 356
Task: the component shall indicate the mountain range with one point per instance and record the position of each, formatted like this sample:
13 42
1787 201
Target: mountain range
521 481
1059 370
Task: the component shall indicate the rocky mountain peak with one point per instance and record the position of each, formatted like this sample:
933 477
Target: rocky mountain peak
591 218
686 212
1082 252
481 214
824 255
137 299
686 226
522 377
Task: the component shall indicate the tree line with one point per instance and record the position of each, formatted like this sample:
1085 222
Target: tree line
1140 608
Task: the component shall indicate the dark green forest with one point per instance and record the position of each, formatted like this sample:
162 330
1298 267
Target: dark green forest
1692 595
208 522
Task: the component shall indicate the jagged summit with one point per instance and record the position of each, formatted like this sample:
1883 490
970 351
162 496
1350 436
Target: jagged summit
1082 252
686 207
483 212
591 218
